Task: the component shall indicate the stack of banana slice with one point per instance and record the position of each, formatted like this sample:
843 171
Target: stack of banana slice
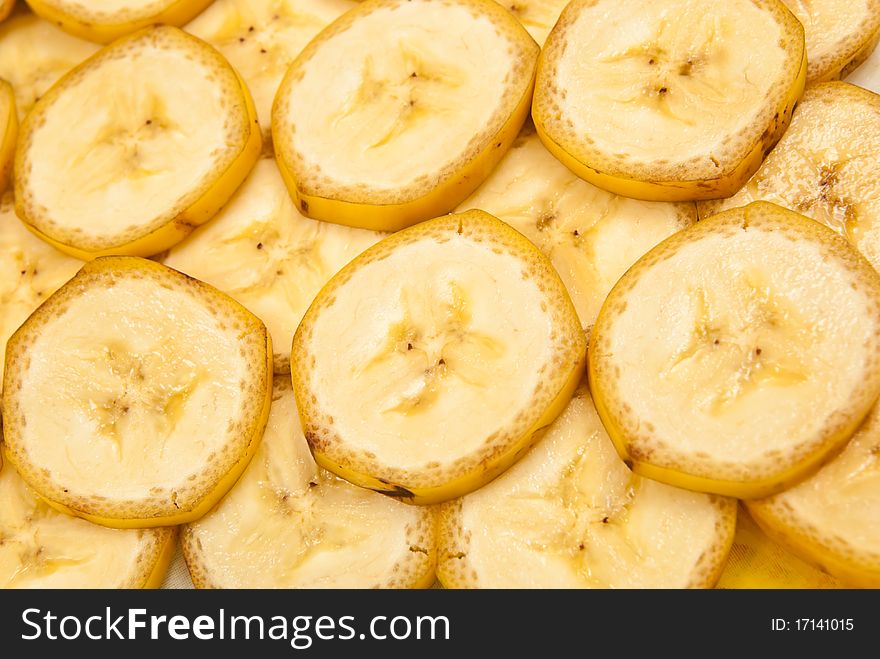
533 294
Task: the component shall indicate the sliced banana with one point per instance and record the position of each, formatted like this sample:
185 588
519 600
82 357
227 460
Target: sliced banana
8 132
262 252
43 548
755 561
867 75
571 515
412 103
260 38
719 369
826 166
30 271
840 34
290 524
833 518
103 21
426 366
135 396
135 148
669 101
6 7
536 16
34 54
591 236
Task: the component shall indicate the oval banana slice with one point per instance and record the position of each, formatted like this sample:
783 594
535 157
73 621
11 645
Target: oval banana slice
103 21
412 115
425 367
571 515
290 524
840 34
135 396
591 236
34 54
825 166
756 561
717 368
263 253
668 101
260 38
136 147
8 132
832 517
43 548
30 271
536 16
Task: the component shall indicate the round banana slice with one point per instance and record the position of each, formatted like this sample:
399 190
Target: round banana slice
426 366
30 271
825 167
868 74
591 236
135 396
134 148
832 517
43 548
8 132
399 109
571 515
738 354
755 561
34 54
290 524
103 21
536 16
840 34
262 252
260 38
668 101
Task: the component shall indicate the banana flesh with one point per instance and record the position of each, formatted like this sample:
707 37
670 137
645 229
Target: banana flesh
571 515
290 524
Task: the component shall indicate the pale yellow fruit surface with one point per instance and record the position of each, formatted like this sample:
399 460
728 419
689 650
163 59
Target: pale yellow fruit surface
288 523
426 366
135 396
668 101
136 147
570 514
536 16
591 236
719 369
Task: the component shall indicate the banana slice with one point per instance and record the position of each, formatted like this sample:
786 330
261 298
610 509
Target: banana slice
425 367
30 271
8 132
826 166
668 101
106 20
135 396
832 518
260 38
136 147
755 561
42 548
719 369
34 54
418 101
262 252
536 16
290 524
840 34
591 236
571 515
868 74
